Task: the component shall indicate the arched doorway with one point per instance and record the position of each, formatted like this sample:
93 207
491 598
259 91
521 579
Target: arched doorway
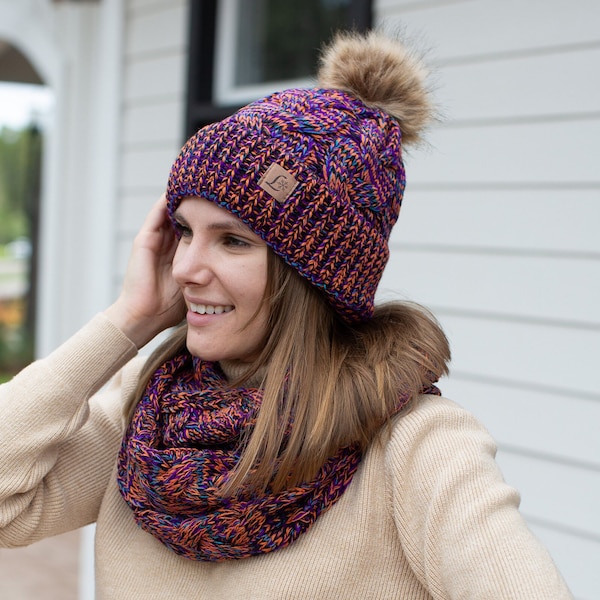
24 100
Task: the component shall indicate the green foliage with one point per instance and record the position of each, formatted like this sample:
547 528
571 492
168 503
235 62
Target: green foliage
13 224
20 152
16 351
19 173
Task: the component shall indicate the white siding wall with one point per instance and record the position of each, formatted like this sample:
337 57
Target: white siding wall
499 237
153 101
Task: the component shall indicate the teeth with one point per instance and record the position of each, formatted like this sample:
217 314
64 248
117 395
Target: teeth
209 309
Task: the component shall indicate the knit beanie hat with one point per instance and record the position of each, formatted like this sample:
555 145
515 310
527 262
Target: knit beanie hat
318 173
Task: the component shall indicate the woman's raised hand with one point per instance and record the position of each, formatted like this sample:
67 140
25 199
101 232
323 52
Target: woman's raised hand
150 300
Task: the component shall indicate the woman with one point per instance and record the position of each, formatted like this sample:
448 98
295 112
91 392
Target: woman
287 441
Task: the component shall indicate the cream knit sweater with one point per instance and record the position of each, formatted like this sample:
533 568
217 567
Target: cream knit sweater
426 516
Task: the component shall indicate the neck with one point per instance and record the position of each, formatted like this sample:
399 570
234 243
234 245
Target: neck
235 370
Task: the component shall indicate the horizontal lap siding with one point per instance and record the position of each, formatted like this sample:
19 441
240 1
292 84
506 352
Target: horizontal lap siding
550 287
545 153
498 235
542 219
561 358
541 409
153 100
477 30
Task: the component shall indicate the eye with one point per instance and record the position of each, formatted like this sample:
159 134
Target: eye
234 241
181 229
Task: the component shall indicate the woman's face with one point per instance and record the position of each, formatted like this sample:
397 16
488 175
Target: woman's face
221 267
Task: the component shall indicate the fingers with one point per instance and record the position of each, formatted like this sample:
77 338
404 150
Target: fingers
156 233
150 299
157 217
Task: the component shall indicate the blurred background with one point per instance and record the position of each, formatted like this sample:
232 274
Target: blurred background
498 235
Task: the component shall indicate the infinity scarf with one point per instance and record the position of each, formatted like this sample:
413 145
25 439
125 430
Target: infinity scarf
184 437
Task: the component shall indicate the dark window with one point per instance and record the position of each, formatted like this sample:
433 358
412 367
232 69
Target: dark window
256 46
280 40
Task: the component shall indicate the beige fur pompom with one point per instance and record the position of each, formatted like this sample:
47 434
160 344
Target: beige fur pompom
382 73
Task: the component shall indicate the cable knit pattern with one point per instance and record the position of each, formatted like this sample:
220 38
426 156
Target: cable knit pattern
345 161
184 438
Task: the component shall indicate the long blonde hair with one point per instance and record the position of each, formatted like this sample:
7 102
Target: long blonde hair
336 383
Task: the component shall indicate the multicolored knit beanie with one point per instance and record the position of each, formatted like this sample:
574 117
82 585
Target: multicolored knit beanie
318 173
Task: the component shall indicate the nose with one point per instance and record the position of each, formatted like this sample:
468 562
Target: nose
191 265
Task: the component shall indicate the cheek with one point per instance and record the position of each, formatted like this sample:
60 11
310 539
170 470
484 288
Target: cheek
252 290
261 280
252 281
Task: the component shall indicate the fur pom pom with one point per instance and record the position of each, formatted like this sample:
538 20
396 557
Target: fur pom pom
383 74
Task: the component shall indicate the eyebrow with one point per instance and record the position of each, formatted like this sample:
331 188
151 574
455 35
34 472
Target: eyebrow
227 225
224 225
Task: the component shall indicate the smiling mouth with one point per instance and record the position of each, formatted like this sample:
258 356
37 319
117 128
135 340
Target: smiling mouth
209 309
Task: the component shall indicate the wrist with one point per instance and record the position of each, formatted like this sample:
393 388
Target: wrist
132 327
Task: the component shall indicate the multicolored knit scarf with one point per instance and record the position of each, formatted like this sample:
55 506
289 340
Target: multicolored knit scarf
184 437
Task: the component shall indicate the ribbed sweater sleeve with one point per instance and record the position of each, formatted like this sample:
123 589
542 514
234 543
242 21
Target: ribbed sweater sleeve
57 449
457 519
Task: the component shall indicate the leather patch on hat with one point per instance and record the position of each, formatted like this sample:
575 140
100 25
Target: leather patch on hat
278 182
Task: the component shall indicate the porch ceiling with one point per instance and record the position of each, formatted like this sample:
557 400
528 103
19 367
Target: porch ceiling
15 67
